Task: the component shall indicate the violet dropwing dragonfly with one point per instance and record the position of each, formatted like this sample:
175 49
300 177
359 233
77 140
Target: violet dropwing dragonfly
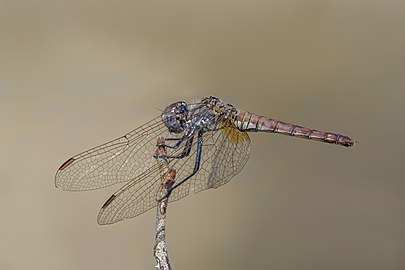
207 143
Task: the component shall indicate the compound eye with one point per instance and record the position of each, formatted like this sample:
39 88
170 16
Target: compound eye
170 108
181 107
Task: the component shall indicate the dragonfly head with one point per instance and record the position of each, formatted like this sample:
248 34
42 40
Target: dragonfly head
175 116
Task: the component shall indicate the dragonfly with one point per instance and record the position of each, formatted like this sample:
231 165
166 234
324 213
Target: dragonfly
206 142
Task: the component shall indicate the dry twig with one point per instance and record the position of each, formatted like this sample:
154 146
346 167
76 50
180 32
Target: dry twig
168 175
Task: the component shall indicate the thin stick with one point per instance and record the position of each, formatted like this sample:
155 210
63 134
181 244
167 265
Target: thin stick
168 175
160 250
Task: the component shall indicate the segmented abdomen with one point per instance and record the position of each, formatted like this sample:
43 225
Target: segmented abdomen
246 121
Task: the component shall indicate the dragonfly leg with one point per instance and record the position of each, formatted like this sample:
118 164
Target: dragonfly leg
186 150
196 166
185 137
175 146
184 153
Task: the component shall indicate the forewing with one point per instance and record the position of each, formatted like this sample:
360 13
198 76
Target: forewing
117 161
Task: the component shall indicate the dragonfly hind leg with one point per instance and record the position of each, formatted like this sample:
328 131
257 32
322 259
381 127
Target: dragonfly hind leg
196 166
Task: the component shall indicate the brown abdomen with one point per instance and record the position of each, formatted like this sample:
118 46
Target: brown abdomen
246 121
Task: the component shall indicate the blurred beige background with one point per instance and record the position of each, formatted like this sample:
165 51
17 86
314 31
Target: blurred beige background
75 74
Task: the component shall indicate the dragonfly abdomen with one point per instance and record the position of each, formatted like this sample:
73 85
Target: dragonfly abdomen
246 121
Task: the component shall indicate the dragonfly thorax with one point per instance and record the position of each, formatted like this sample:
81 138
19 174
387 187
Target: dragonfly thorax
226 110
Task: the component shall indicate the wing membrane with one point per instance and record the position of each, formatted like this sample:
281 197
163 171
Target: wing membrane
117 161
225 152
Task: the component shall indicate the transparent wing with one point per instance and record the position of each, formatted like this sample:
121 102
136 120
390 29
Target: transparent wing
133 199
117 161
225 152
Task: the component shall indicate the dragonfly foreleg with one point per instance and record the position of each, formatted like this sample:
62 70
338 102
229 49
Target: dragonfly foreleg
185 137
185 152
179 141
186 149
